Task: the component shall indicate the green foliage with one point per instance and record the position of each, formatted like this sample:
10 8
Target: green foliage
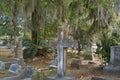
43 44
5 26
44 50
27 35
85 17
40 76
50 31
71 54
43 75
104 47
30 49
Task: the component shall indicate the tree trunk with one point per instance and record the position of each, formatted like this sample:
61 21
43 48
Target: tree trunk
34 36
79 47
14 21
35 25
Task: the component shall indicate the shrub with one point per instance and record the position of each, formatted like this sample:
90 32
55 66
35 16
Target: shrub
104 47
43 48
43 75
43 44
71 54
30 49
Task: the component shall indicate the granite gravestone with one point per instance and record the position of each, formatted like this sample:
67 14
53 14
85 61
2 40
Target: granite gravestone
27 73
14 68
2 65
18 60
75 63
113 68
89 55
61 57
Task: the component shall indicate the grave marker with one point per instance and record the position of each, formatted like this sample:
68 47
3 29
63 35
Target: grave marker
14 68
89 55
27 73
2 65
61 56
113 68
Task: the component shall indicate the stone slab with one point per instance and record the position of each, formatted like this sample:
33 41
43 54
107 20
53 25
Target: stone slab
63 78
112 70
27 79
98 78
14 68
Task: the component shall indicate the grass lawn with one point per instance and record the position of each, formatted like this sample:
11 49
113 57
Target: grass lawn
6 56
4 72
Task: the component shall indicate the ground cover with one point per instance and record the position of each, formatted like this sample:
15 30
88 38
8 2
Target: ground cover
86 72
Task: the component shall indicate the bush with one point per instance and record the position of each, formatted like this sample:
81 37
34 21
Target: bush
104 47
30 49
43 44
43 48
71 54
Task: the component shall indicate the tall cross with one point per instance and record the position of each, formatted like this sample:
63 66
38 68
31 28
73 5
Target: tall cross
61 54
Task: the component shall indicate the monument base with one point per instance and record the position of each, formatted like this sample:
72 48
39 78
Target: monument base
61 78
112 70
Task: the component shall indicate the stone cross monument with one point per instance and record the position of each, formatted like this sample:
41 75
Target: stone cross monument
61 57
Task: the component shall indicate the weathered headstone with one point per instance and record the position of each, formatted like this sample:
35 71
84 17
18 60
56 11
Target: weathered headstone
89 55
27 73
75 63
113 68
2 65
61 57
14 68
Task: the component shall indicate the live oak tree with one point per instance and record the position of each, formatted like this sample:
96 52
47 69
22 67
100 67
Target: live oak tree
90 18
83 18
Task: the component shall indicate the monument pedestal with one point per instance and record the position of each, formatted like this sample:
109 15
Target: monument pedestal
113 68
61 78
